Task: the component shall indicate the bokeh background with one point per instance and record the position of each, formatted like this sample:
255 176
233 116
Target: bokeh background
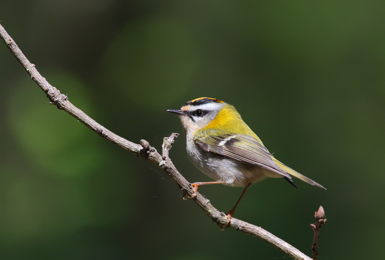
308 78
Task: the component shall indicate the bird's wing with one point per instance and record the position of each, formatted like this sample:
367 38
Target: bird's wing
243 148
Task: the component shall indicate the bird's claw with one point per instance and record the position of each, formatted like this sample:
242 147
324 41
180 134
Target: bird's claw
229 216
194 194
186 196
195 187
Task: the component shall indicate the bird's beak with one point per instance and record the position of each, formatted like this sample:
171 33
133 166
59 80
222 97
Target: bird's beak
178 112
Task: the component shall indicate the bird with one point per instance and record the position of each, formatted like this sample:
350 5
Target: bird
222 146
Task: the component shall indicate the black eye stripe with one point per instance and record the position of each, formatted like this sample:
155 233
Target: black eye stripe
198 113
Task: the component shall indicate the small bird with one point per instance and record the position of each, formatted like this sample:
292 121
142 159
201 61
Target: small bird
222 146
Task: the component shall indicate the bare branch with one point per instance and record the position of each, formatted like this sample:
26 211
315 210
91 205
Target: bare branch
320 220
148 152
61 100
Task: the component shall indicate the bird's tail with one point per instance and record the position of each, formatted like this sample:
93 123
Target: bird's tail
293 173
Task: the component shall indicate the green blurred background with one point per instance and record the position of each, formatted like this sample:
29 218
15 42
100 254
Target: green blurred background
308 78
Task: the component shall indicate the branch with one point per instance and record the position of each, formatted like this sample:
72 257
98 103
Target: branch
320 220
148 152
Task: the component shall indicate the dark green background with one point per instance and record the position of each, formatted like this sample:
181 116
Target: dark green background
307 76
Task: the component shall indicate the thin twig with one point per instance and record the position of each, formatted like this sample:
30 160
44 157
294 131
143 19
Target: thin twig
167 144
320 220
146 151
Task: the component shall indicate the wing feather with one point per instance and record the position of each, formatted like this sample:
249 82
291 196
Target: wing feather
243 148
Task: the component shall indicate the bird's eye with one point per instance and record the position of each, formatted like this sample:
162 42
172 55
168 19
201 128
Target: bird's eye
199 112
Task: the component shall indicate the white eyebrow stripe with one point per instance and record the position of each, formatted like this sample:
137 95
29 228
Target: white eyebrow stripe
224 141
209 106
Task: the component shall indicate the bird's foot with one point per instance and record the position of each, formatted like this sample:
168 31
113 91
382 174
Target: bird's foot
195 187
229 217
